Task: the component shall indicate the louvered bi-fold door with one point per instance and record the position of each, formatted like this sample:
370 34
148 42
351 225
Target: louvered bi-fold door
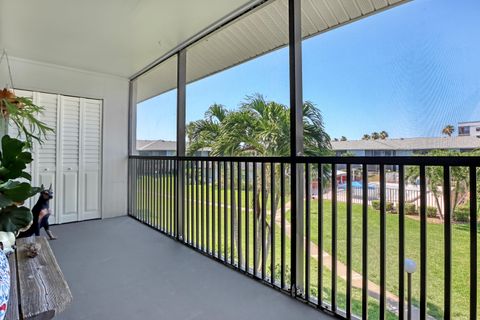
80 158
46 153
44 168
70 157
90 158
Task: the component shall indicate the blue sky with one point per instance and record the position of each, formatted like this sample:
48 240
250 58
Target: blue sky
410 71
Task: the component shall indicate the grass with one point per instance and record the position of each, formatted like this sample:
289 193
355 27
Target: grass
435 247
435 254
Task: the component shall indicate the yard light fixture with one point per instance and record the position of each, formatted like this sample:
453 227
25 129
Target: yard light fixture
410 268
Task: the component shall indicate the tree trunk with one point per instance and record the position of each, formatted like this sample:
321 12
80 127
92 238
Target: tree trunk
268 224
258 232
434 190
235 214
439 207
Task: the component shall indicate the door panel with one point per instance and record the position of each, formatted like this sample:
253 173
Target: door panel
45 155
91 115
70 144
92 193
70 197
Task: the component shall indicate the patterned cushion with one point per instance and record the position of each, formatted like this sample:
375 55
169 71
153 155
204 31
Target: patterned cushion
4 284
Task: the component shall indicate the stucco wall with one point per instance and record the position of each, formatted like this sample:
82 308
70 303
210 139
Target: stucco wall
36 76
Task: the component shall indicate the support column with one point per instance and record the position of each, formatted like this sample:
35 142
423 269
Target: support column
181 133
132 120
296 144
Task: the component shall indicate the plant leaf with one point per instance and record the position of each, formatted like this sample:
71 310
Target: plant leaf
13 218
17 191
14 160
5 201
26 175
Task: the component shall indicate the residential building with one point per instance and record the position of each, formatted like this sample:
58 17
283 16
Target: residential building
163 148
405 146
471 128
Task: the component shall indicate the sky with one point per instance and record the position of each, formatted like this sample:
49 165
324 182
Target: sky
409 71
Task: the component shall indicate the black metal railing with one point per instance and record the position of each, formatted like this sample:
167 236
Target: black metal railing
343 246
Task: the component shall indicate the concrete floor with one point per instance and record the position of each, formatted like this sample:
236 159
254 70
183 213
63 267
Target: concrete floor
120 269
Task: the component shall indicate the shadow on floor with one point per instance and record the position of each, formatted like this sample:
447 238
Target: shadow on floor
120 269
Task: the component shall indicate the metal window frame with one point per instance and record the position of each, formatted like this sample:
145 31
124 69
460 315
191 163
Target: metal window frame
296 113
296 143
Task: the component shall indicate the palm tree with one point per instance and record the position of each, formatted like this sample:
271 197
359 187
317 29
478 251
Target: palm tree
375 135
202 133
343 138
383 135
258 128
366 137
448 130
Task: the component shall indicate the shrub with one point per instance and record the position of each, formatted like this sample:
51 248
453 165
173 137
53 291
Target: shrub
462 213
411 209
431 212
390 207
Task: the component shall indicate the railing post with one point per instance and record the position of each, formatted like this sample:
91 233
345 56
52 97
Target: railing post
296 144
181 119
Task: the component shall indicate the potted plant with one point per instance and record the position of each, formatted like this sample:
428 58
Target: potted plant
22 113
15 181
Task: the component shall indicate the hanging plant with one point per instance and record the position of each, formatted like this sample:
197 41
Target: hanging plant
22 112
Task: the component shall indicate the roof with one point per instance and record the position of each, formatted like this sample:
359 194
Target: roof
256 33
150 145
474 123
457 142
154 145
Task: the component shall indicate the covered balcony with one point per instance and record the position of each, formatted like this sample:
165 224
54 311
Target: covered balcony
169 204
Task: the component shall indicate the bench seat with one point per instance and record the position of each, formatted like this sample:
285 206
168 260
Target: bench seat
38 288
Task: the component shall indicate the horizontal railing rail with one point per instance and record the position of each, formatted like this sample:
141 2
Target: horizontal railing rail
400 160
345 251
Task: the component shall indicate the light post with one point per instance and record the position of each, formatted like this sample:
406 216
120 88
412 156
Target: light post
410 268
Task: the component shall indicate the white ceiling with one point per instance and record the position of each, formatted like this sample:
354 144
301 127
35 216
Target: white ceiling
117 37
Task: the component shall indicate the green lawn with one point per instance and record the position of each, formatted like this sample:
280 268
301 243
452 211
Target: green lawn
435 254
460 237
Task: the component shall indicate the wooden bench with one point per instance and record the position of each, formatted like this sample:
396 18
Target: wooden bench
38 288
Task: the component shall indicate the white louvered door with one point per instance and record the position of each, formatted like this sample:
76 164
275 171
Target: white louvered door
69 159
45 155
90 153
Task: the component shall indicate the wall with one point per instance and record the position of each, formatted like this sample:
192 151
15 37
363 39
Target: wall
36 76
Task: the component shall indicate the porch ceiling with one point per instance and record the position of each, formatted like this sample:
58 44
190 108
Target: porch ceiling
107 36
260 31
